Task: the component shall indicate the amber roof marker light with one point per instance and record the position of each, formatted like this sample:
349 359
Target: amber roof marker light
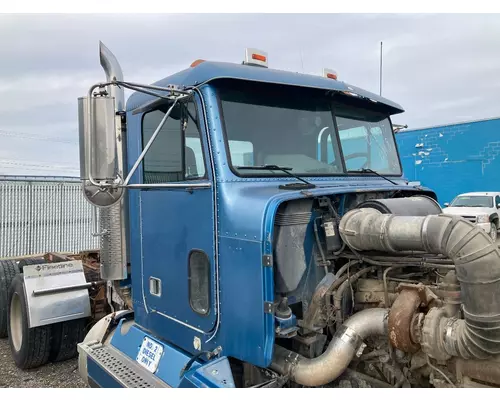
256 57
330 73
196 62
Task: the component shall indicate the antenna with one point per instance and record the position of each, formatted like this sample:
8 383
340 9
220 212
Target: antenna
301 60
380 69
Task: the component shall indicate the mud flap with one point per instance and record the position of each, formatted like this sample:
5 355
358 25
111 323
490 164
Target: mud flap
56 292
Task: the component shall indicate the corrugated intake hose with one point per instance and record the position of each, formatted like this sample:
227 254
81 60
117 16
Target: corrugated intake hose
339 353
477 263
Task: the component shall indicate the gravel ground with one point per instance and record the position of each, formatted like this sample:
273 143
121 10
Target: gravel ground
59 375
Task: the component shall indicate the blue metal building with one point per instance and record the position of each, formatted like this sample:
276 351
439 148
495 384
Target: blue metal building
452 159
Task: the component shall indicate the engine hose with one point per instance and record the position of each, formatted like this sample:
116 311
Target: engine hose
323 291
337 298
402 261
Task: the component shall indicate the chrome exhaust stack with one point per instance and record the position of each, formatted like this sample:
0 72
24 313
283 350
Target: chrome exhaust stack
113 221
102 165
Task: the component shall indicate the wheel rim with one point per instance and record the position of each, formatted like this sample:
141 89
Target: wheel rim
16 322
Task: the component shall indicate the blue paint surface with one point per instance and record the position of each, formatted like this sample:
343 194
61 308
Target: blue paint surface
232 222
165 225
214 374
453 159
182 221
172 360
208 71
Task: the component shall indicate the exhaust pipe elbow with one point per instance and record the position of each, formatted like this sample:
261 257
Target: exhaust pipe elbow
346 342
113 71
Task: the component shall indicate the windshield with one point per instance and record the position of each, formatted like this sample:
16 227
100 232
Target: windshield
296 129
473 201
367 140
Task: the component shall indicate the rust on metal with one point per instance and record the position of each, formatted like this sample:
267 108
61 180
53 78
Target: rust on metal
417 323
426 295
317 302
404 319
401 315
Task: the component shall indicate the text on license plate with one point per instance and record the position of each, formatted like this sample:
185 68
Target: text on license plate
150 354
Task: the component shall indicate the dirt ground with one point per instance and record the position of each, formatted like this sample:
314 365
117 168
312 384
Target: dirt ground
59 375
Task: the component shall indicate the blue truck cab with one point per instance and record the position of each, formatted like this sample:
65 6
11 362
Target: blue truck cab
227 185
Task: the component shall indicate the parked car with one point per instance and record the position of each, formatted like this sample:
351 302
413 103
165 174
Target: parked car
480 208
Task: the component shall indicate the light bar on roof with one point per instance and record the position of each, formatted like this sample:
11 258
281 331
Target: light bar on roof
329 73
256 57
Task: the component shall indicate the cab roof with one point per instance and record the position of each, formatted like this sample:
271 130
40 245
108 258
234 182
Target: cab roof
208 71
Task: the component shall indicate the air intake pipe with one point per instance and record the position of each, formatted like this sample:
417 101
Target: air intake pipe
477 263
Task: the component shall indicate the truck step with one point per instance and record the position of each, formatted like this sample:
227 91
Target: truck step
105 360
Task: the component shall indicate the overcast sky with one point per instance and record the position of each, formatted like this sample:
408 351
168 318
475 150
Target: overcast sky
440 68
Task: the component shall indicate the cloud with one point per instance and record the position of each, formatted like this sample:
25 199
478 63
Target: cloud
439 67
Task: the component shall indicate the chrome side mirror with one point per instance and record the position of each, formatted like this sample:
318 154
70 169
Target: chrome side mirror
98 150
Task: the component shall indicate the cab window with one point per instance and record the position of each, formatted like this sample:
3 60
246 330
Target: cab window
177 152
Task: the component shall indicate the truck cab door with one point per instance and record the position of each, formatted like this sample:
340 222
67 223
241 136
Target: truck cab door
175 226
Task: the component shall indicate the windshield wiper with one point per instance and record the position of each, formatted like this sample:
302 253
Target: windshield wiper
286 170
371 171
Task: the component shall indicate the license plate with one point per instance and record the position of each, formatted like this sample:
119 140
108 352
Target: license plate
150 354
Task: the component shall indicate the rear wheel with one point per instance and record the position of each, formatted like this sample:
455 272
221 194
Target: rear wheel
30 347
493 231
8 270
65 337
30 261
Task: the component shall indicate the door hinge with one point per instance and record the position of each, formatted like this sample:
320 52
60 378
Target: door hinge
269 307
267 260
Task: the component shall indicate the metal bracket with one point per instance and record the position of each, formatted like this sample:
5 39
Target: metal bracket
267 260
269 308
61 289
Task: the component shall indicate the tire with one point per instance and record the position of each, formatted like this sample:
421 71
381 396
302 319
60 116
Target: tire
493 231
30 347
65 336
30 261
8 270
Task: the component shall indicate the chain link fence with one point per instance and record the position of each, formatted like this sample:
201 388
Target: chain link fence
42 214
